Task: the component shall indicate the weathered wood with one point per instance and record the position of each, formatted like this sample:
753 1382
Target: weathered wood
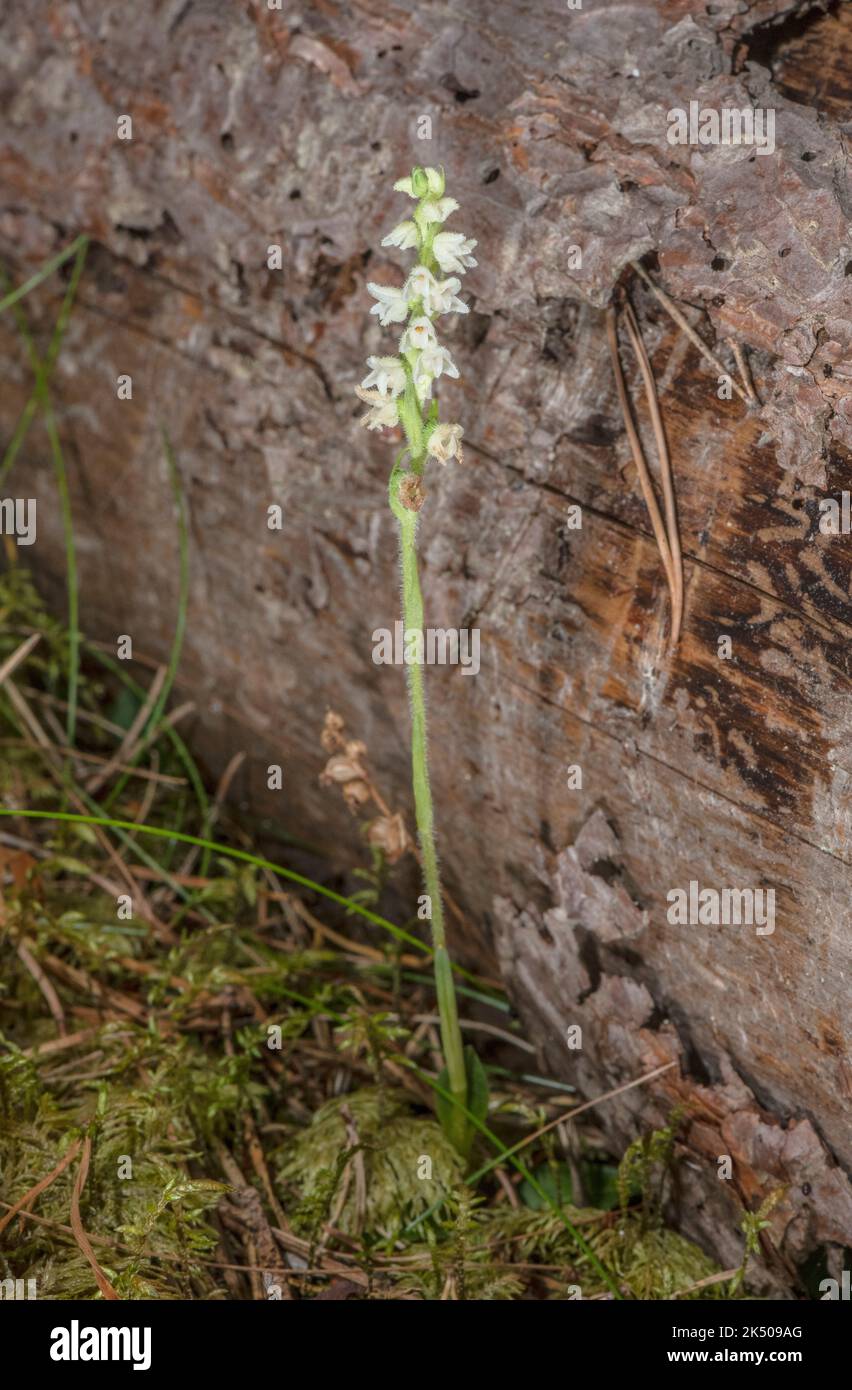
253 128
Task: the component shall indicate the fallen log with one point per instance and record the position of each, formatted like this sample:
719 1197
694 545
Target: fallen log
585 774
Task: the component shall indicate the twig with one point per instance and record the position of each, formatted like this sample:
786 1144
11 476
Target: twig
80 1236
124 751
571 1115
705 1283
46 1049
43 1183
20 654
40 741
144 773
358 1165
219 798
506 1183
53 1001
742 363
470 1025
353 947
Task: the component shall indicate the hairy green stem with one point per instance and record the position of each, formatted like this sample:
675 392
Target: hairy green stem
412 612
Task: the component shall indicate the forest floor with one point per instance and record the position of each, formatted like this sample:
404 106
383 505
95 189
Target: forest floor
218 1078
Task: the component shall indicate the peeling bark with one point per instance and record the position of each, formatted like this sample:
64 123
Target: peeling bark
630 1028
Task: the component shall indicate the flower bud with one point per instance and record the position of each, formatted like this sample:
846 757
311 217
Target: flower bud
437 182
419 182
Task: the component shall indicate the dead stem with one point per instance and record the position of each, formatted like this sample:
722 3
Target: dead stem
665 467
129 744
744 370
639 459
41 1186
682 322
45 985
80 1236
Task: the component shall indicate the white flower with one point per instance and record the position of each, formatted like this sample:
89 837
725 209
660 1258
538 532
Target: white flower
452 251
387 374
421 359
434 360
419 334
445 443
382 412
437 209
392 306
446 298
421 284
438 296
404 235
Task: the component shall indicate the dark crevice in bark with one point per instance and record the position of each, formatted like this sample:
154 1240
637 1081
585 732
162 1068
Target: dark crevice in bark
764 43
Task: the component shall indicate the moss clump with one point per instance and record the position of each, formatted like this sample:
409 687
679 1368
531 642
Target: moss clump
409 1166
656 1264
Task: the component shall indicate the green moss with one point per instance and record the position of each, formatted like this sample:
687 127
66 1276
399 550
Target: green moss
409 1166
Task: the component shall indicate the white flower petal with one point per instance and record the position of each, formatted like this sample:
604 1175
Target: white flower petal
387 374
446 300
419 334
404 235
382 413
438 209
435 180
392 306
452 251
436 361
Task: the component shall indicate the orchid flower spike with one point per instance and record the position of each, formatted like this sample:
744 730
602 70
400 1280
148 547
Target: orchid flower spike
399 389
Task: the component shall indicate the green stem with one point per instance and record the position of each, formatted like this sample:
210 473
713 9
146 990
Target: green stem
28 413
40 275
412 612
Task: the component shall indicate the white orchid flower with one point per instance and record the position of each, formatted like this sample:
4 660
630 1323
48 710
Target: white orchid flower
392 306
435 360
452 251
382 413
404 235
445 297
438 296
445 443
419 334
421 284
387 375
